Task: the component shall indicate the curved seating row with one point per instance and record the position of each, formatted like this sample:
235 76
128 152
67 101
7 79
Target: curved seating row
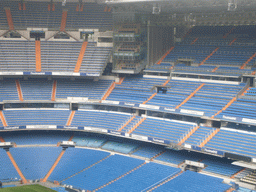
56 56
44 15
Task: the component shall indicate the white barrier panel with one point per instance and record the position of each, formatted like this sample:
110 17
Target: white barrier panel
149 106
249 120
87 128
206 80
193 163
37 73
157 140
238 131
2 144
187 146
100 130
65 74
66 127
77 98
36 29
171 120
211 151
93 74
154 76
68 142
192 112
228 117
129 104
110 102
41 127
11 127
139 137
11 73
169 109
89 30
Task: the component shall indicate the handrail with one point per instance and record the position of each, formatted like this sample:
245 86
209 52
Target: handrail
160 181
242 90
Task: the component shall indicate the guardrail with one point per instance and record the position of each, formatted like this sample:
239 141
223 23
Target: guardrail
169 176
245 87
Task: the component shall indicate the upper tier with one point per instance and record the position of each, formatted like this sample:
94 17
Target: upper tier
179 97
55 56
44 15
211 51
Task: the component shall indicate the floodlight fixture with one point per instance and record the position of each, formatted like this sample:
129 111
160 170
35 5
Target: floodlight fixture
64 2
232 5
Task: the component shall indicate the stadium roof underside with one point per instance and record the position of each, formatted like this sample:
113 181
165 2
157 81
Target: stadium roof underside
188 6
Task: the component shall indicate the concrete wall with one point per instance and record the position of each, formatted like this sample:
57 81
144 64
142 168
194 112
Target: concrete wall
24 33
96 34
49 35
159 42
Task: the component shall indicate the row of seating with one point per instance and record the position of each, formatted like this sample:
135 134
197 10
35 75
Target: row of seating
41 89
36 138
13 58
225 55
77 160
82 158
232 56
88 118
100 119
36 117
210 98
91 141
187 182
248 102
158 128
73 161
8 172
92 16
199 135
199 31
130 91
35 162
209 46
59 56
82 88
148 150
74 169
56 56
163 129
37 15
8 90
205 41
177 92
233 70
142 178
120 147
212 70
104 172
134 89
214 164
234 142
218 41
195 53
202 69
170 130
222 31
